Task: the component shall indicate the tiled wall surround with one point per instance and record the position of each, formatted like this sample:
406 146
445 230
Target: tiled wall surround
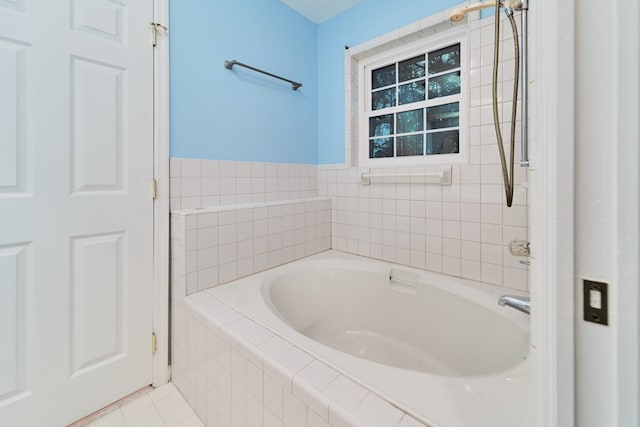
234 372
216 245
199 183
463 229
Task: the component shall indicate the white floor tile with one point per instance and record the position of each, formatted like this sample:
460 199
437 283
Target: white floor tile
145 417
163 391
114 418
162 407
178 414
170 403
138 405
192 421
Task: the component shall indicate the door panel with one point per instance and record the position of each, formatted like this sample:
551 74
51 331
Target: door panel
13 269
97 117
98 282
12 115
76 214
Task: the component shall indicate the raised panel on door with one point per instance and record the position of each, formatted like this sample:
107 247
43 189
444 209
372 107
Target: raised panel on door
14 265
100 18
98 93
13 120
98 283
17 5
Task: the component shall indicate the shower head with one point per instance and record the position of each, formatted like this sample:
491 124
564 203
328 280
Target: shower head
458 14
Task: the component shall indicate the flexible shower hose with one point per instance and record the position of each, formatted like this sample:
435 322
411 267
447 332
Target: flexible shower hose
507 175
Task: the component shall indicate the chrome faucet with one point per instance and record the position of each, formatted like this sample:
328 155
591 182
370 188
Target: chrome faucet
519 303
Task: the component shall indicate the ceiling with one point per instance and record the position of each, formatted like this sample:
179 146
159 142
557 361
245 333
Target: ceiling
319 11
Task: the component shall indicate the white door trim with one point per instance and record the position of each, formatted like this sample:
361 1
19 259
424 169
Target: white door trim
161 373
552 214
627 133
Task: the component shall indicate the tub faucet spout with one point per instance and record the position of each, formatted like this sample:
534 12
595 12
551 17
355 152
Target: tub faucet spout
522 304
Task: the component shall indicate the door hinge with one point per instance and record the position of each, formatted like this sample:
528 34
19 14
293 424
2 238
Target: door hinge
154 189
154 32
154 345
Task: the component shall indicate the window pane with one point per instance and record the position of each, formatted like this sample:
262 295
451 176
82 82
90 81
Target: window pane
412 92
443 116
410 121
411 69
381 125
444 59
443 142
383 99
445 85
383 76
410 145
380 147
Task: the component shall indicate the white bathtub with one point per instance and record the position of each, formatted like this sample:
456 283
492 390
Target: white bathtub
438 347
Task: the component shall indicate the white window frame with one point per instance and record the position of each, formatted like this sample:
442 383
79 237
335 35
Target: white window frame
398 54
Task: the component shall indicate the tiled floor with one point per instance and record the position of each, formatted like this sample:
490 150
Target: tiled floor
162 407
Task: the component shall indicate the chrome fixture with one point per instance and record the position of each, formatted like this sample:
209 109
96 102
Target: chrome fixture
520 74
522 304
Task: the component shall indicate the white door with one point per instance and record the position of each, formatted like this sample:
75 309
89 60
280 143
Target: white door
76 223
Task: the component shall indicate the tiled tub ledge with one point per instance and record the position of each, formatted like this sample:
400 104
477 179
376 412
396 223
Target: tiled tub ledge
235 372
214 245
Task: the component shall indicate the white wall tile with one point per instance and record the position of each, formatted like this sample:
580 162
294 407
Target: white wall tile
345 393
254 412
491 273
190 187
375 412
210 187
409 421
314 399
238 396
314 420
295 412
273 397
255 381
207 237
275 347
190 168
210 168
270 420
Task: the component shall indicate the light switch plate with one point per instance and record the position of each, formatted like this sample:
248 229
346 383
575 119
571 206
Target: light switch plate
595 302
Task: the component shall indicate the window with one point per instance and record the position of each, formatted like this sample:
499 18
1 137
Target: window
413 104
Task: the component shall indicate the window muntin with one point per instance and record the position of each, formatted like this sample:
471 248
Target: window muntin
414 105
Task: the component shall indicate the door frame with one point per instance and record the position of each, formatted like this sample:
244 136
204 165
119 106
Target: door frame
161 372
554 292
626 17
552 214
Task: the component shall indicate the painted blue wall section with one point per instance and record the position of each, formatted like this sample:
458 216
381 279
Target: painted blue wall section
241 115
365 21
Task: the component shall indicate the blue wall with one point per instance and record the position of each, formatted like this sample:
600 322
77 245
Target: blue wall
241 115
367 20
